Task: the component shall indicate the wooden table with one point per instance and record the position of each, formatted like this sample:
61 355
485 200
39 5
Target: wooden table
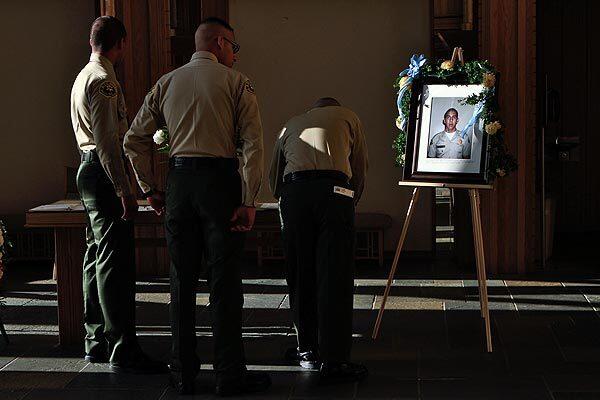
67 219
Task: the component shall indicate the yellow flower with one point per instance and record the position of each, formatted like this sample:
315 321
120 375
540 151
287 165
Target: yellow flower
500 172
403 81
446 65
399 122
489 80
493 127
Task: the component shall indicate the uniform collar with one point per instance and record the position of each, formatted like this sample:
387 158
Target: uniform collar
207 55
105 62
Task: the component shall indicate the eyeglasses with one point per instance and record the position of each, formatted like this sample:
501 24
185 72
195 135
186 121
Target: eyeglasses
235 47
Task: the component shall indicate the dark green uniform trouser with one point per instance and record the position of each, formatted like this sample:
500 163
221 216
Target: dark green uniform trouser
108 268
202 194
318 235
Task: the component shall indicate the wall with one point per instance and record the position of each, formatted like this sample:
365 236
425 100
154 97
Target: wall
45 45
298 51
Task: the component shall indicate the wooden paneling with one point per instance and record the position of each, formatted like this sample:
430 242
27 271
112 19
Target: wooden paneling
70 245
510 220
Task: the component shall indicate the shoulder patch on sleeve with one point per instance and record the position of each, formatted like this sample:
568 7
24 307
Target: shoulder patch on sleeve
108 89
248 87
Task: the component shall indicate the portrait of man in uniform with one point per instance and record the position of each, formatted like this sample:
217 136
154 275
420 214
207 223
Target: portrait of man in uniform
450 142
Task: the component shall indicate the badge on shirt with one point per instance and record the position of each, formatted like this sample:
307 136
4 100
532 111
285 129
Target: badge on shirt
343 191
248 87
108 89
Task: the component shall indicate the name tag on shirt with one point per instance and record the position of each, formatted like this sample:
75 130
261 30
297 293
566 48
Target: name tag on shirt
343 191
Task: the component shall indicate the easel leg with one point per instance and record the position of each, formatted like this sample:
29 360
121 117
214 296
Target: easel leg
409 213
474 221
480 261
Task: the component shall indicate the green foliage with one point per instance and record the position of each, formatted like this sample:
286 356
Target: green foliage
500 162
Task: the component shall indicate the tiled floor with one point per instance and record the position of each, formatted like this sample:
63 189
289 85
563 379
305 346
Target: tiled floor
546 336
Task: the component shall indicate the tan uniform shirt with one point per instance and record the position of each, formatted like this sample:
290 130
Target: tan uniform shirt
99 118
206 107
324 138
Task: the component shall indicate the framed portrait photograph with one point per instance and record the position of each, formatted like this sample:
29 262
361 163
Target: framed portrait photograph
445 141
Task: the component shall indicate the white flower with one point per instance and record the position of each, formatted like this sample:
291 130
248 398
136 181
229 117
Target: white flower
493 127
500 172
160 137
399 122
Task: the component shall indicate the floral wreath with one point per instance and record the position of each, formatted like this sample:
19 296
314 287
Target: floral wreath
500 162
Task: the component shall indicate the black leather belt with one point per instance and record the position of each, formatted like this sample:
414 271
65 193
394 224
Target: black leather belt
313 174
90 156
204 163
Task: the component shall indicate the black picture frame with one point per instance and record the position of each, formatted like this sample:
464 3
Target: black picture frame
413 140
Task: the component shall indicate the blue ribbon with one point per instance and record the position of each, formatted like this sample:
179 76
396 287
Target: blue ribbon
473 120
412 72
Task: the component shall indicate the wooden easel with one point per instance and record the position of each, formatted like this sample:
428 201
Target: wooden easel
479 252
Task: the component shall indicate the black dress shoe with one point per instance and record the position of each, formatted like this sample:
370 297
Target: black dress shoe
142 364
252 382
183 381
306 359
342 372
96 358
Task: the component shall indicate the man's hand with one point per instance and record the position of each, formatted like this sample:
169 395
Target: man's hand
243 219
157 202
130 207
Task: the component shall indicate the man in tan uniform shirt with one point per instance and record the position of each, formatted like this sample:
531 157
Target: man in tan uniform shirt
207 107
318 172
100 121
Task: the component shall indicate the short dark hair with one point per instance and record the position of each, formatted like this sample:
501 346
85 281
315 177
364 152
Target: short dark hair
216 21
106 32
450 109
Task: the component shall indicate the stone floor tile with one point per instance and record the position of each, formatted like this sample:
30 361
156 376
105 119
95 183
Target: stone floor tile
307 386
447 283
576 395
93 394
11 301
464 362
490 283
270 301
408 303
46 364
573 382
386 387
363 301
99 376
548 302
535 283
13 394
160 298
485 389
21 380
5 360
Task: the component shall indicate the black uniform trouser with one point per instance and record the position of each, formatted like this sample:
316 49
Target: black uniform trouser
200 202
108 268
318 234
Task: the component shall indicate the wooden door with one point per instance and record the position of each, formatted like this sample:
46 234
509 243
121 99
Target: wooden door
568 82
160 39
